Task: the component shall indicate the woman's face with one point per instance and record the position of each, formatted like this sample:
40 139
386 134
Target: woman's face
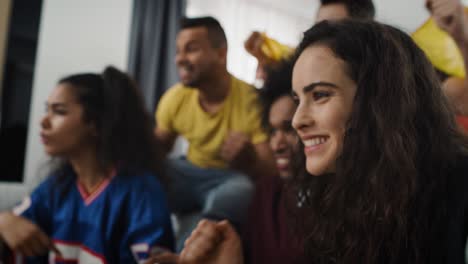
324 93
64 131
283 138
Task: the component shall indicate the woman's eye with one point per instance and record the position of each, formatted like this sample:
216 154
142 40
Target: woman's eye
192 48
321 94
273 131
60 111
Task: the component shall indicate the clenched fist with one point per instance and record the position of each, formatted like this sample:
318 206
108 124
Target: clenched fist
238 150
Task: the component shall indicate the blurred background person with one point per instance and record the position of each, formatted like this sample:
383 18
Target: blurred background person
450 16
268 237
219 116
103 202
269 52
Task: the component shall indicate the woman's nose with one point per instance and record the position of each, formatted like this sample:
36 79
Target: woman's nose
302 118
45 122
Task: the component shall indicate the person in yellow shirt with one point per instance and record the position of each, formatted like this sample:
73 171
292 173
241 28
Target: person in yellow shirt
269 52
449 15
219 115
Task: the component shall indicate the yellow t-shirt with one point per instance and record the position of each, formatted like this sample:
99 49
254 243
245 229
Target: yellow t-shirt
179 111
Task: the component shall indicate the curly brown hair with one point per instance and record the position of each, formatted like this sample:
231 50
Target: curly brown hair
387 200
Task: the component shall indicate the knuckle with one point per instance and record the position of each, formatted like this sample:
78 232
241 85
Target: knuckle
14 245
203 223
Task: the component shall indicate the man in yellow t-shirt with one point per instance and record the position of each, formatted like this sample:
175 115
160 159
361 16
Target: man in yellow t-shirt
220 117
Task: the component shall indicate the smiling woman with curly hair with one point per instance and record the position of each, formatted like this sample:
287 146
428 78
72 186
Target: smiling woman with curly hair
386 167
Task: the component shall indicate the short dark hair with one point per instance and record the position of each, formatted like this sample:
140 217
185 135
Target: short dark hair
216 33
277 84
357 9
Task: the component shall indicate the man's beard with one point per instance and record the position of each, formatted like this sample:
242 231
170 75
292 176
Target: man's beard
192 83
195 82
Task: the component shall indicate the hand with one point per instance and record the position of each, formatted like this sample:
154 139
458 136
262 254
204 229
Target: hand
163 258
253 44
212 243
237 150
449 15
23 236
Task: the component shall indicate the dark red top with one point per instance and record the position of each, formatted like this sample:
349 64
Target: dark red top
268 237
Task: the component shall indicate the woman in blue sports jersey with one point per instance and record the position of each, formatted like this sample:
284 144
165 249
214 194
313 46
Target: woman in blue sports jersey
103 202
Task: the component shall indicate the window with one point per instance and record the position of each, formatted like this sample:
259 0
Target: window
20 48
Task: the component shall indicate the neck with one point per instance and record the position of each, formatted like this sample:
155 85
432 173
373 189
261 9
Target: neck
216 89
88 170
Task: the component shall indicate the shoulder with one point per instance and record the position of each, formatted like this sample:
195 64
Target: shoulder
142 181
46 183
38 199
242 86
268 191
271 184
144 197
245 91
53 184
141 186
240 82
173 99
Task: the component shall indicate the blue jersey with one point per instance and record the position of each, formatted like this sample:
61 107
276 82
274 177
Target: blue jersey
121 222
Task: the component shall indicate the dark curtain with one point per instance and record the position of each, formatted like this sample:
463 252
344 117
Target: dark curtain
155 24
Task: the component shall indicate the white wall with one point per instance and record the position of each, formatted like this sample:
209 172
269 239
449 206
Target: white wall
404 14
74 36
407 15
